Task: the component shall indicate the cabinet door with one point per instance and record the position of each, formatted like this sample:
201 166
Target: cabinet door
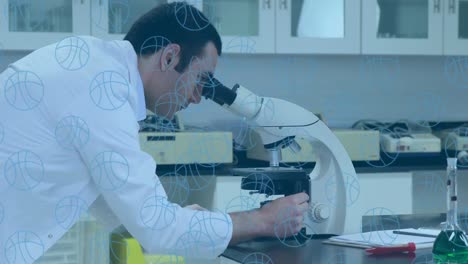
402 27
318 26
456 27
245 26
111 19
30 24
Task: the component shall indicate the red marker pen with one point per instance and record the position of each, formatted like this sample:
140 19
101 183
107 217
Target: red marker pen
410 247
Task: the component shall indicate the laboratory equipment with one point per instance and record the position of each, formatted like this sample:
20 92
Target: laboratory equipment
169 142
279 123
451 245
403 137
455 142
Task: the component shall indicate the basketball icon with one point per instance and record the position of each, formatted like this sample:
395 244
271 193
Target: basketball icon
69 210
109 90
191 19
24 170
110 170
157 213
24 90
71 132
72 53
23 247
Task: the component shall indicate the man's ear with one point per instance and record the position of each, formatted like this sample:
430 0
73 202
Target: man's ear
170 57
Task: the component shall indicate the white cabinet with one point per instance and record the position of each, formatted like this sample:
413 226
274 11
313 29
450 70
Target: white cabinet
251 26
285 26
402 27
318 26
112 19
29 24
398 27
456 27
415 27
246 26
389 192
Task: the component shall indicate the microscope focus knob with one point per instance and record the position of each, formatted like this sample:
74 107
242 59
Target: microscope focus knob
319 212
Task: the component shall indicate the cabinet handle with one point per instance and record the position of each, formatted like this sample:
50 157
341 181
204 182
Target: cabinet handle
267 4
436 6
284 4
452 7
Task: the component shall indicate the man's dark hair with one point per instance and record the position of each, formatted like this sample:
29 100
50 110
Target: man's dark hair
178 23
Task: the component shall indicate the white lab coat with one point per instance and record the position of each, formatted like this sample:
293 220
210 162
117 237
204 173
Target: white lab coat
49 175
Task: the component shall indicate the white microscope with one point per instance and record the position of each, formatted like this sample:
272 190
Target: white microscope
278 123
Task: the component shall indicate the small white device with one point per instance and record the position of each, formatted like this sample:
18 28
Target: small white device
402 137
455 142
454 139
410 143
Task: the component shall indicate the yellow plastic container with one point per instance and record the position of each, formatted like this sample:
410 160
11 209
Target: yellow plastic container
128 251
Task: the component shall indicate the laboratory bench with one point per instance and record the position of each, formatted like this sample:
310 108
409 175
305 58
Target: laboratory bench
314 251
272 250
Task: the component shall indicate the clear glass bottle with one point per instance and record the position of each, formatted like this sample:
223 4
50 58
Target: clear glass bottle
451 245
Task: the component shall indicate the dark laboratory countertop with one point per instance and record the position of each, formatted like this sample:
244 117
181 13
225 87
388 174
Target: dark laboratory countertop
314 251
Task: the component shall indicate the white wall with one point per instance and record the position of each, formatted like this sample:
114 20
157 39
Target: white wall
344 88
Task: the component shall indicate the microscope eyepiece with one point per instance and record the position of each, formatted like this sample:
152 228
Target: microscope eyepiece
216 91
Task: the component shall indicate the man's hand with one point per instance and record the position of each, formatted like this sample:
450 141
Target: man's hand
196 207
291 208
261 222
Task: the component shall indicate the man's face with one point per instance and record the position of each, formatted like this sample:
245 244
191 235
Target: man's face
174 91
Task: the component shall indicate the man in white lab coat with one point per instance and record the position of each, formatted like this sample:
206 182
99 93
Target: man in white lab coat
69 141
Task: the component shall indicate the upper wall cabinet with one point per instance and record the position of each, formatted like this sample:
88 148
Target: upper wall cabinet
402 27
246 26
111 19
415 27
397 27
318 26
456 27
30 24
